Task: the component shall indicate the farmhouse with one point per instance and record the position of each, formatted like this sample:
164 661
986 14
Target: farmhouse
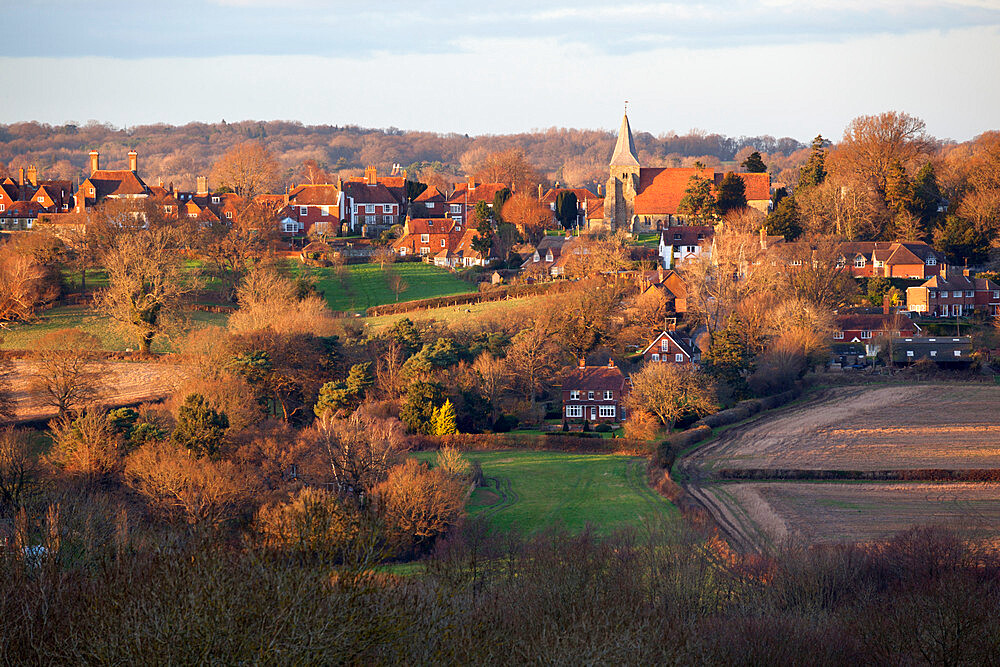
594 393
948 295
670 348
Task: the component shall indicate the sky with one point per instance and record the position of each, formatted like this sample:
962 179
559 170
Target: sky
738 67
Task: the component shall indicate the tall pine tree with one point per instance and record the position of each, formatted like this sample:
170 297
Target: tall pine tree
814 171
754 164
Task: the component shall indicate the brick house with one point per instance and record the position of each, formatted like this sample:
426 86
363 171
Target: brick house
105 184
321 208
370 204
594 393
443 241
949 295
866 259
551 255
468 194
863 327
670 348
430 203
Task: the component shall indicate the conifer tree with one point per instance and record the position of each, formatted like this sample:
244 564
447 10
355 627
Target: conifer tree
814 171
731 194
754 164
444 419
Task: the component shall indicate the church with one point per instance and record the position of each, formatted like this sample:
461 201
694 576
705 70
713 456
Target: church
645 199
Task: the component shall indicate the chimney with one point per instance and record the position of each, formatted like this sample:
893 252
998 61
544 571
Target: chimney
472 183
202 185
583 362
33 175
159 182
133 161
660 273
539 192
598 189
371 175
95 162
763 238
611 363
20 176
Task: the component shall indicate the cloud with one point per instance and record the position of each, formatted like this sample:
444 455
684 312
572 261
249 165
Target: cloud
188 28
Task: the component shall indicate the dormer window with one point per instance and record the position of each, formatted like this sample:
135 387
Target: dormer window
859 262
215 200
548 256
931 261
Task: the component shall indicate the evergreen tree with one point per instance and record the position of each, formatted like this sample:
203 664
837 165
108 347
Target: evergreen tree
406 334
754 164
814 171
961 241
898 189
499 199
344 396
698 202
784 219
417 411
566 208
199 427
926 195
731 194
483 240
444 419
778 195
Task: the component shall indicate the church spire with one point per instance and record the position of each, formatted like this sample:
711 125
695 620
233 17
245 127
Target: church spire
625 155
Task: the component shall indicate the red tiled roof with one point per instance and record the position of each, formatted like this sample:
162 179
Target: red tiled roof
316 195
662 188
482 192
686 235
595 208
430 194
582 194
117 182
369 194
594 378
757 187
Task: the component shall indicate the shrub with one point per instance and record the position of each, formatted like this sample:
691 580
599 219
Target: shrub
199 427
603 428
450 460
313 521
87 444
505 423
418 504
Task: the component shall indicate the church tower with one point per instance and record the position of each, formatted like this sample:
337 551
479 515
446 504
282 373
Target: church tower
623 181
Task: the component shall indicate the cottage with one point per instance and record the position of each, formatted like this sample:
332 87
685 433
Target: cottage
594 393
670 348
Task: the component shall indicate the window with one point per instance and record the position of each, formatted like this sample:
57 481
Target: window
956 310
932 294
303 210
931 261
425 250
90 191
838 335
387 208
796 262
879 264
402 251
425 238
607 411
957 293
656 356
969 293
443 243
608 395
665 345
859 262
574 394
369 208
229 215
958 353
41 200
291 226
215 200
590 395
909 353
679 358
3 207
574 410
429 204
996 294
324 210
369 219
866 334
933 353
456 208
386 219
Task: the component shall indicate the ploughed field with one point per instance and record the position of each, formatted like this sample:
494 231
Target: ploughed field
529 491
947 426
928 431
771 513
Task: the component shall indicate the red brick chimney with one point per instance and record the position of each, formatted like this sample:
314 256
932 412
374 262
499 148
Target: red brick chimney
32 175
371 175
583 362
133 161
95 162
202 185
472 183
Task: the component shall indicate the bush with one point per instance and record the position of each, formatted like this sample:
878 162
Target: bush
314 521
602 428
505 424
725 417
199 427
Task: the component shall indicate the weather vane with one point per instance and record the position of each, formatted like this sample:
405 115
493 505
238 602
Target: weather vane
626 106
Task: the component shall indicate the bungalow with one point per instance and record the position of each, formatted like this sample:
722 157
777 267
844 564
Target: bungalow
670 348
594 393
948 295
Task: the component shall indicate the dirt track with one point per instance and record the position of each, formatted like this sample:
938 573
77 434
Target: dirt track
128 382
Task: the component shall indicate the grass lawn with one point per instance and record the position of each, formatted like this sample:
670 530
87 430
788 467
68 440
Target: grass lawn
23 336
453 314
532 490
647 240
366 285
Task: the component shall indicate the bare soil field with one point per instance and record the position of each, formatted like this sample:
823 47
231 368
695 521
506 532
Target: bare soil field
948 426
766 514
127 382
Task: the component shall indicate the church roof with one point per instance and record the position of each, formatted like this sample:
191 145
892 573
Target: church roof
624 155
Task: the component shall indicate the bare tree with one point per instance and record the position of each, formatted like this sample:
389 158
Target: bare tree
359 449
146 283
872 143
67 370
397 284
671 391
492 379
249 169
269 301
529 216
532 359
815 270
508 167
236 249
24 285
16 469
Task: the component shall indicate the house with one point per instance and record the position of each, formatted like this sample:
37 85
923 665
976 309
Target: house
552 254
395 183
892 259
431 203
105 184
20 216
942 350
370 206
594 393
863 327
595 213
670 285
951 295
468 194
583 197
670 348
443 241
321 207
645 199
682 243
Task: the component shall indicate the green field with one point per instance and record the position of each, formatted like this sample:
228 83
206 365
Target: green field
454 314
532 490
22 336
366 286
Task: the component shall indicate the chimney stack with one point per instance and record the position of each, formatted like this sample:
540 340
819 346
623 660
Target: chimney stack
133 161
598 189
95 162
202 185
371 175
472 183
20 176
583 362
33 175
539 192
611 363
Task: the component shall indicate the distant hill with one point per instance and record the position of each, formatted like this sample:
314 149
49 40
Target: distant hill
178 154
